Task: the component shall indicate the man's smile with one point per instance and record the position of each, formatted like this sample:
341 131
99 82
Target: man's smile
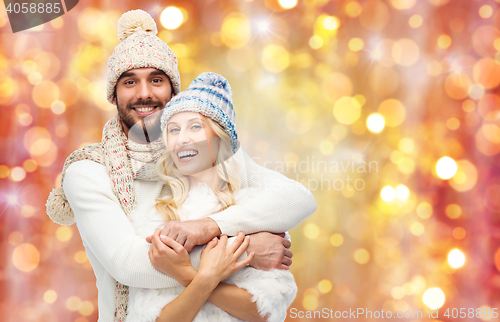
145 110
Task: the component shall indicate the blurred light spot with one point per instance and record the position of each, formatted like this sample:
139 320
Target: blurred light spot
287 4
40 146
331 23
27 211
356 44
50 296
310 300
58 107
497 259
466 176
388 194
453 123
406 145
434 68
30 165
35 78
353 9
409 288
491 132
16 238
453 211
325 286
275 58
11 199
171 18
444 41
336 240
403 4
81 318
361 256
487 73
347 110
64 233
166 36
17 174
311 231
28 67
446 168
468 106
397 157
371 21
375 122
489 107
496 44
485 11
45 93
236 30
405 52
326 147
299 121
73 303
25 257
25 119
397 292
457 85
483 40
4 171
434 298
80 257
393 111
415 21
86 308
402 192
417 229
57 23
316 42
62 130
456 258
476 91
459 233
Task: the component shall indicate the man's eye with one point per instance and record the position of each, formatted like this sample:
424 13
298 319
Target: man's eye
156 80
128 82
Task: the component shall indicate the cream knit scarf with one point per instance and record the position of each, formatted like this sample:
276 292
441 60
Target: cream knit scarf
125 161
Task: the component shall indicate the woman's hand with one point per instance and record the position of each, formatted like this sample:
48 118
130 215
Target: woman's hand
171 258
218 262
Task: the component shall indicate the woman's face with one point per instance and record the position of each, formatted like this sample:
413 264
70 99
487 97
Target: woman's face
192 143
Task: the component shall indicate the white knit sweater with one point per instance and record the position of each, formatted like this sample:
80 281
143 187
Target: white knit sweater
116 252
273 291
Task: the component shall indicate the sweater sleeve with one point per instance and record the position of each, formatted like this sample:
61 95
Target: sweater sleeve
106 230
281 204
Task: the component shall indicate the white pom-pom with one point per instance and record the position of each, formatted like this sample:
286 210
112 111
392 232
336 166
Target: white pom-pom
133 21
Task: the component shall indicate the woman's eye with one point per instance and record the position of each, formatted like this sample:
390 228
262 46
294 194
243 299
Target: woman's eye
173 130
196 127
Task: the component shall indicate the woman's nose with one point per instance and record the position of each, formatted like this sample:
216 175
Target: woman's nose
184 137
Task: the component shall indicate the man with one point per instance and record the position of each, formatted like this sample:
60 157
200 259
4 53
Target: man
105 182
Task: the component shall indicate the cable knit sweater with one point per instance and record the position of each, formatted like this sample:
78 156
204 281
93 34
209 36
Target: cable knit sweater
116 252
273 291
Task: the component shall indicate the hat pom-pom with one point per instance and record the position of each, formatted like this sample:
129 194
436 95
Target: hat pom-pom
58 208
213 79
134 21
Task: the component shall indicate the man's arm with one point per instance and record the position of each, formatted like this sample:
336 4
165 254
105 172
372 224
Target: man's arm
106 230
280 205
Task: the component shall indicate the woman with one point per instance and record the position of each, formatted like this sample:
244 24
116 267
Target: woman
204 174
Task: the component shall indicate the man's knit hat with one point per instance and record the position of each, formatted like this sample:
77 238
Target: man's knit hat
210 95
140 48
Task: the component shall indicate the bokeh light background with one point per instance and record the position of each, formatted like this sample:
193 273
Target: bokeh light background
408 87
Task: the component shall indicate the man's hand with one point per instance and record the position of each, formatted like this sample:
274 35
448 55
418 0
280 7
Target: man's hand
190 233
271 251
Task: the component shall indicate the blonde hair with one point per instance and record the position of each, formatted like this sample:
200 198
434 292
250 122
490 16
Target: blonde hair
178 185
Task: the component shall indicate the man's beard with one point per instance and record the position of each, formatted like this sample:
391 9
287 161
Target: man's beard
142 129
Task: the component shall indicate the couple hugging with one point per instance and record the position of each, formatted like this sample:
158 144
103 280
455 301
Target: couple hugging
157 198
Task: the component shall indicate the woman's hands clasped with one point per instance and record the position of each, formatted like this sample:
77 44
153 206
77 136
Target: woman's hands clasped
218 262
171 258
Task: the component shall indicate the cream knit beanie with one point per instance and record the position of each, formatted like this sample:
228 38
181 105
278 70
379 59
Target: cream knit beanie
139 48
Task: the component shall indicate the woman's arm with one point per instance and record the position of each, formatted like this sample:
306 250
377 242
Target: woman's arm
216 264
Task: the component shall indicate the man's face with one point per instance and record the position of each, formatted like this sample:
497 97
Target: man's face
141 95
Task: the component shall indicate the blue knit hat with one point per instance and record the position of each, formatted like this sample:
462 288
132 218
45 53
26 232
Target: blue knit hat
210 95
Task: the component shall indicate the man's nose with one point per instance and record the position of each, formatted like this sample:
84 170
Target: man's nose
144 91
